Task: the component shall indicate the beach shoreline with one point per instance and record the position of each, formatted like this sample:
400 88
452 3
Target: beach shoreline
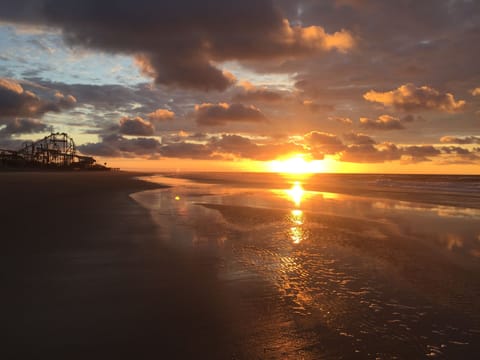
379 186
106 265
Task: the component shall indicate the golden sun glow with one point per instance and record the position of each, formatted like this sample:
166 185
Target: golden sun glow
297 165
296 193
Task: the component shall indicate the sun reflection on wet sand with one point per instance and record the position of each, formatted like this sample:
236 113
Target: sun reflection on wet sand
296 231
296 193
349 267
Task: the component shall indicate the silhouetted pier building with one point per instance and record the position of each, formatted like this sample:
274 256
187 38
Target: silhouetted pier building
55 151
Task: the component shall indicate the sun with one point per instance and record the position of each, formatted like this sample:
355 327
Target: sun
297 165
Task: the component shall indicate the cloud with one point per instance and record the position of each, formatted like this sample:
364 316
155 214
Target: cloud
408 97
476 91
420 153
342 120
15 101
359 139
409 118
243 147
315 138
186 150
99 149
185 71
384 122
116 146
21 126
106 97
322 143
65 102
180 43
308 39
369 153
252 93
222 113
361 149
460 140
459 155
136 126
11 85
268 152
352 3
183 136
225 147
377 153
161 115
316 107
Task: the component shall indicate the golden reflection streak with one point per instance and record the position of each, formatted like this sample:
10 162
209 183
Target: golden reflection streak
296 231
296 193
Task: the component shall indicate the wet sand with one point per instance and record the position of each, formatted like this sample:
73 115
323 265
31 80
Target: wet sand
329 276
212 272
84 276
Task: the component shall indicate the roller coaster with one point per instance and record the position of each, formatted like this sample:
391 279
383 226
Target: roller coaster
55 151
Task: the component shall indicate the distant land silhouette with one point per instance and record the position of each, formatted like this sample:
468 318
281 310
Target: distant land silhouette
56 151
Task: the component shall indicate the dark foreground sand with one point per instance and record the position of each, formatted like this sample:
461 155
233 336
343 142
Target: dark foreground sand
84 277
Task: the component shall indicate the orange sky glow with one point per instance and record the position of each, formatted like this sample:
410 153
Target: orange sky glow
285 86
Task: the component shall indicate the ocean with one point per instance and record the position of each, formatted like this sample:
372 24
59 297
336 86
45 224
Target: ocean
335 266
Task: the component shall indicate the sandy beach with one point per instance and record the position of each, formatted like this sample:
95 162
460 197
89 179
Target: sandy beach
84 277
331 275
102 265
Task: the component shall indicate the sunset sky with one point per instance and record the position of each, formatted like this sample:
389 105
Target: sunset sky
343 85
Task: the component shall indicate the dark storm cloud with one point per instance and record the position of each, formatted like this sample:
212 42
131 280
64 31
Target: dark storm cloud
411 98
136 126
16 101
223 113
179 42
184 71
21 126
384 122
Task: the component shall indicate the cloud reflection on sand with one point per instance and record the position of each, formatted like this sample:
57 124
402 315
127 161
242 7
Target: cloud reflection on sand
366 273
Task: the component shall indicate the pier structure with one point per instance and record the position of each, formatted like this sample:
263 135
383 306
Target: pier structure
55 151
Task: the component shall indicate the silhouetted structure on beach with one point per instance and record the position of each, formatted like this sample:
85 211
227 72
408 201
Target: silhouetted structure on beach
55 151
